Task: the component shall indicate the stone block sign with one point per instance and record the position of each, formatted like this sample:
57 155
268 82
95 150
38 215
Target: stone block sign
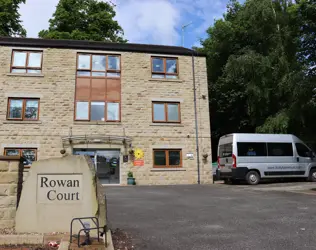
56 191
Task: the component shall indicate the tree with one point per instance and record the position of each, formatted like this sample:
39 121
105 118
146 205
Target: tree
10 23
305 13
257 75
84 20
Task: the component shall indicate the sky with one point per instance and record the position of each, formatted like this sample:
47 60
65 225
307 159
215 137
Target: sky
143 21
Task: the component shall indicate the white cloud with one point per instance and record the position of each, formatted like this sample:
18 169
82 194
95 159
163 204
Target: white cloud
35 15
206 10
149 21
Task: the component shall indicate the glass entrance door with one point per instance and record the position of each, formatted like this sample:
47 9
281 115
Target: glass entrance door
108 166
107 163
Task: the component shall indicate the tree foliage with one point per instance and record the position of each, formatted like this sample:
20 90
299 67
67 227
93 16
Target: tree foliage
10 23
306 16
84 20
260 58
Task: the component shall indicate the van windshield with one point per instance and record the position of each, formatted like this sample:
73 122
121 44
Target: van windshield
302 150
226 150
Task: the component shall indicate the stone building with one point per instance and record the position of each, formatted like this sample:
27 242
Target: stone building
131 107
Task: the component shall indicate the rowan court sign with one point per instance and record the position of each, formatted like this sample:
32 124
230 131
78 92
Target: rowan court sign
59 188
66 188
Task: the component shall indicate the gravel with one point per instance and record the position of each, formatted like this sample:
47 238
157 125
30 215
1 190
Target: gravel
122 240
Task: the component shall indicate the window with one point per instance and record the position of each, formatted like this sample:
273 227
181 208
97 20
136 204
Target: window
302 150
280 149
26 62
166 112
30 155
23 109
98 88
89 65
226 150
164 68
252 149
167 158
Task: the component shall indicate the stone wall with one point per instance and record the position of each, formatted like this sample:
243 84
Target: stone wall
9 190
56 90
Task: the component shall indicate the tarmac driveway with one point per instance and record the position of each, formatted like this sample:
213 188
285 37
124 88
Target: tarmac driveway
213 217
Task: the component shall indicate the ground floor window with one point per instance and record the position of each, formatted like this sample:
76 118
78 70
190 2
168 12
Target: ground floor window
167 158
29 154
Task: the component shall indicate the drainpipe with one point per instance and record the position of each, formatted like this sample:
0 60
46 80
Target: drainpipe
196 121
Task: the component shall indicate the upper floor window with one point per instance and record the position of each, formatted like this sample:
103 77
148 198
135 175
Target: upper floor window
26 62
164 68
98 88
89 65
29 154
23 109
166 112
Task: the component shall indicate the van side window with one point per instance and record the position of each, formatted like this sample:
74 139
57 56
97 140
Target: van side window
280 149
251 149
225 150
302 150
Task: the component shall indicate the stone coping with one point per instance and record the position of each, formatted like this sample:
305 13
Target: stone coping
9 158
18 239
42 239
108 241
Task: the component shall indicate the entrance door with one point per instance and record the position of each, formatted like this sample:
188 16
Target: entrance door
108 166
107 163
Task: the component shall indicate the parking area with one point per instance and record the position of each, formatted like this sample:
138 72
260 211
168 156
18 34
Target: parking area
267 216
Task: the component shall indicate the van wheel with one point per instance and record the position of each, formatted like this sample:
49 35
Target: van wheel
312 175
252 178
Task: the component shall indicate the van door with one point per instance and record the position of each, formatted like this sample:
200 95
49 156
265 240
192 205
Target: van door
225 157
302 158
281 160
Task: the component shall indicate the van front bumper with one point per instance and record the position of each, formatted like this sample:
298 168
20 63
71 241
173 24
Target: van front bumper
236 174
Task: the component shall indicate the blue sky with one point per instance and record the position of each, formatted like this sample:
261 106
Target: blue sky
143 21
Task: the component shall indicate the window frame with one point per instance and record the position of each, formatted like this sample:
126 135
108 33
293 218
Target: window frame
167 158
23 108
166 112
20 152
107 70
270 144
90 87
164 73
26 67
241 143
105 111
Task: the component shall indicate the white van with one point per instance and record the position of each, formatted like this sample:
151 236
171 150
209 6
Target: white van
252 157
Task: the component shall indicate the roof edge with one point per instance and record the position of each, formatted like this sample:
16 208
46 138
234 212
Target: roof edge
93 45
